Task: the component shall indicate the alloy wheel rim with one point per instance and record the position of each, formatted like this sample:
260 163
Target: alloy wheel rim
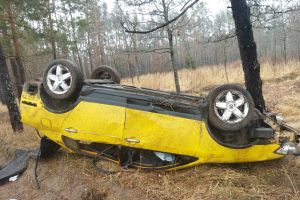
231 106
59 79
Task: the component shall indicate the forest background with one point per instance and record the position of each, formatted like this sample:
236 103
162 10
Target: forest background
206 51
88 33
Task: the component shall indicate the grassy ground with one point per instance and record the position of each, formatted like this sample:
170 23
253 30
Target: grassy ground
71 176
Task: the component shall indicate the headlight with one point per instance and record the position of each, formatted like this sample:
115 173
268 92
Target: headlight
287 148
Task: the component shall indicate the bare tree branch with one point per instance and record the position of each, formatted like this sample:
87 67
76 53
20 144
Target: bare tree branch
221 38
164 65
163 25
152 50
185 5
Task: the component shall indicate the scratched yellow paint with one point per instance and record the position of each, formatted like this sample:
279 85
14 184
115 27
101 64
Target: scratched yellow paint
96 122
33 116
162 132
212 152
105 123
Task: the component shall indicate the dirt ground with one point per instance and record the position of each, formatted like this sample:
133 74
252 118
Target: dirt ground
70 176
61 176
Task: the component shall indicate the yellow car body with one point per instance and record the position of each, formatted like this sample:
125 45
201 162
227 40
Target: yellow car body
108 115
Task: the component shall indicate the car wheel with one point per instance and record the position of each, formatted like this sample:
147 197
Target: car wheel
62 79
231 107
106 72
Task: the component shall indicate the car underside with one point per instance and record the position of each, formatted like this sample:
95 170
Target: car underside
150 129
145 128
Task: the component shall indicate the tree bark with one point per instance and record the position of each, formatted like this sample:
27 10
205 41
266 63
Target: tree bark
2 96
275 50
16 45
130 68
298 47
172 54
14 67
170 37
99 35
102 54
90 53
225 59
51 29
248 52
129 62
62 46
14 64
136 65
75 41
95 49
8 94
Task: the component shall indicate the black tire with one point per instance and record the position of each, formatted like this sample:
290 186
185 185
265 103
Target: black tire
215 113
76 81
106 72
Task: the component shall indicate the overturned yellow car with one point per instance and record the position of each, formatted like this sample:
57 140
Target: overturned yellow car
150 129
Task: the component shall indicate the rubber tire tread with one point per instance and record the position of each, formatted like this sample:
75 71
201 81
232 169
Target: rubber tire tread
77 79
215 121
111 71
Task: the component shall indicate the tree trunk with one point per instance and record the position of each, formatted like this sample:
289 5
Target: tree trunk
62 46
275 61
2 96
247 46
8 94
83 68
86 66
225 60
51 29
75 41
2 99
14 64
102 54
95 49
130 68
129 62
298 47
170 37
216 54
284 48
99 35
14 67
136 65
16 45
73 54
90 53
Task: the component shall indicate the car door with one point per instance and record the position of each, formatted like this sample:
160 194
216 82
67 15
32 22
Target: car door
161 128
97 118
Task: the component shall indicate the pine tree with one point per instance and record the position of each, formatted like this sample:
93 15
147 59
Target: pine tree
8 95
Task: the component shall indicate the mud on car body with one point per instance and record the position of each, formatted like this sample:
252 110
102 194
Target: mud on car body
150 129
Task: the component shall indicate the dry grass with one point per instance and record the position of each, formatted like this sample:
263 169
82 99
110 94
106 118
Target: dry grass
71 176
280 88
3 108
210 76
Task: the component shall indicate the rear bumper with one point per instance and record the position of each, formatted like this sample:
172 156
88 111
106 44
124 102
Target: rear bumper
288 148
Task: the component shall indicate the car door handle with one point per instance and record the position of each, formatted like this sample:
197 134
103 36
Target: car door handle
131 140
70 130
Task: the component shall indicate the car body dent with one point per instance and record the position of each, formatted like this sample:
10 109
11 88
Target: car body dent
160 132
112 124
212 152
